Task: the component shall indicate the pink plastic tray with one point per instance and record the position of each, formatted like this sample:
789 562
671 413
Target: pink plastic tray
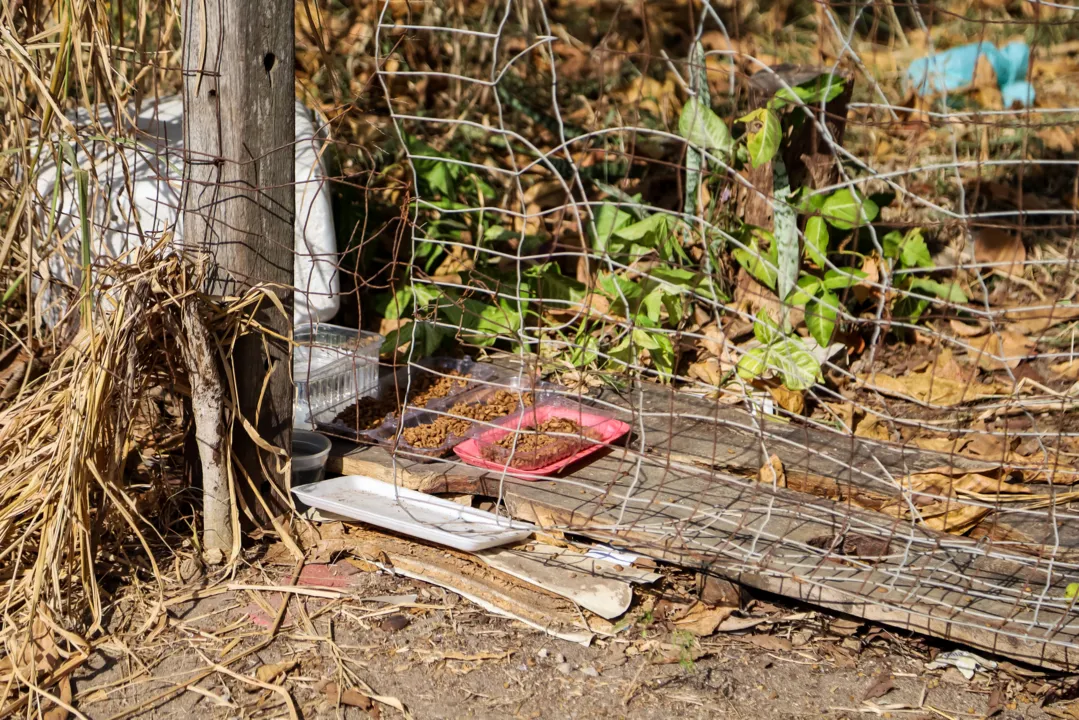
607 428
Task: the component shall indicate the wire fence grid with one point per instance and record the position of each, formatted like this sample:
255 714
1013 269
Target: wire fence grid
834 311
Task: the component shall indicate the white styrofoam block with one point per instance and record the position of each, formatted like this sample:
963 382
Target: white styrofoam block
139 214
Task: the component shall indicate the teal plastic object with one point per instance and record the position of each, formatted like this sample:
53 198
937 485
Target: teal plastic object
953 70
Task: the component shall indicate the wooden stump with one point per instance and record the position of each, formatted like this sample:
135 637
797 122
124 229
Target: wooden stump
807 155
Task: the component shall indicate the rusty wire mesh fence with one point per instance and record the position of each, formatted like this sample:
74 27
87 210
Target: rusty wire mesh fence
823 278
787 289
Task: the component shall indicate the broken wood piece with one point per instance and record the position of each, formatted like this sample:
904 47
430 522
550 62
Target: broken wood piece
596 585
462 573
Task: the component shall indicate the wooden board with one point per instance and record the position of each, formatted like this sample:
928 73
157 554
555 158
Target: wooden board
671 502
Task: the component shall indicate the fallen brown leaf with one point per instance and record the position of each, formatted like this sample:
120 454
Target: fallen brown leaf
702 620
793 401
1034 321
1005 349
942 382
880 687
772 472
1004 250
718 592
270 673
963 330
350 697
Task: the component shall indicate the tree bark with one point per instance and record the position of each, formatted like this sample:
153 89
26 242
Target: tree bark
809 159
208 409
238 198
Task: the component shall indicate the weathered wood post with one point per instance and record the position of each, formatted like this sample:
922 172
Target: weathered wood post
238 216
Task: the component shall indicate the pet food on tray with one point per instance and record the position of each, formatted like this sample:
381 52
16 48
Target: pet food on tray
431 380
542 439
434 433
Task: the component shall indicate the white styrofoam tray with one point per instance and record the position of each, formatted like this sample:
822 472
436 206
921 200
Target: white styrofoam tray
412 513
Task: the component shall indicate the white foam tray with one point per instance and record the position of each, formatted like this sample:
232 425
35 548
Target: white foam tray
412 513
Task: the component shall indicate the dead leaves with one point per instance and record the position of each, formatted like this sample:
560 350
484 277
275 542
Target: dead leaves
702 619
941 383
350 697
1002 250
937 498
273 672
1000 350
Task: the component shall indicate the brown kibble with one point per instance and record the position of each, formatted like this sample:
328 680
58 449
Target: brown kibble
458 419
368 413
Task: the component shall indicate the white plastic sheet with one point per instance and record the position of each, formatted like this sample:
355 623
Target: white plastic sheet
127 216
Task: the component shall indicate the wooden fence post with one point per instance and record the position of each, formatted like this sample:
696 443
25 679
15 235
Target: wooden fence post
238 207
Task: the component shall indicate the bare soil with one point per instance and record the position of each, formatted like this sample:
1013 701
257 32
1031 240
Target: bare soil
440 656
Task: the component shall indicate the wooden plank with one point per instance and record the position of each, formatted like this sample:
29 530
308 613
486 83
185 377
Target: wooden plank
766 538
239 133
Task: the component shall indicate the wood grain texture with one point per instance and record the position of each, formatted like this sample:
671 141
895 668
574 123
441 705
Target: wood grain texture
679 500
239 133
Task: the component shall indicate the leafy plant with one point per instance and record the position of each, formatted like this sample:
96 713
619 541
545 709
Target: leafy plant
908 251
779 353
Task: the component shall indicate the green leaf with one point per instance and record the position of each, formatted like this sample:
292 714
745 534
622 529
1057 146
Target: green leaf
950 292
891 243
585 351
428 338
762 265
400 304
796 366
785 234
843 277
651 227
757 266
809 202
821 316
914 252
663 355
808 286
644 340
816 240
552 284
825 88
762 141
653 304
609 219
753 364
703 128
843 209
788 358
765 330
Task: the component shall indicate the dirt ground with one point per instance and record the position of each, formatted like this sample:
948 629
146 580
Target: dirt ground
437 655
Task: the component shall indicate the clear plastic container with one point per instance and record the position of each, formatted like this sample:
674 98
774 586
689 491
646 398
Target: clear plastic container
309 453
331 364
371 417
569 428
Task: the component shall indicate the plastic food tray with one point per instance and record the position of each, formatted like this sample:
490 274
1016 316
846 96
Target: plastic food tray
412 513
329 364
387 434
599 430
396 384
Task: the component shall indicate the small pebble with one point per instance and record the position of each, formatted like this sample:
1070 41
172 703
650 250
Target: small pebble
559 658
564 668
543 653
393 623
590 671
